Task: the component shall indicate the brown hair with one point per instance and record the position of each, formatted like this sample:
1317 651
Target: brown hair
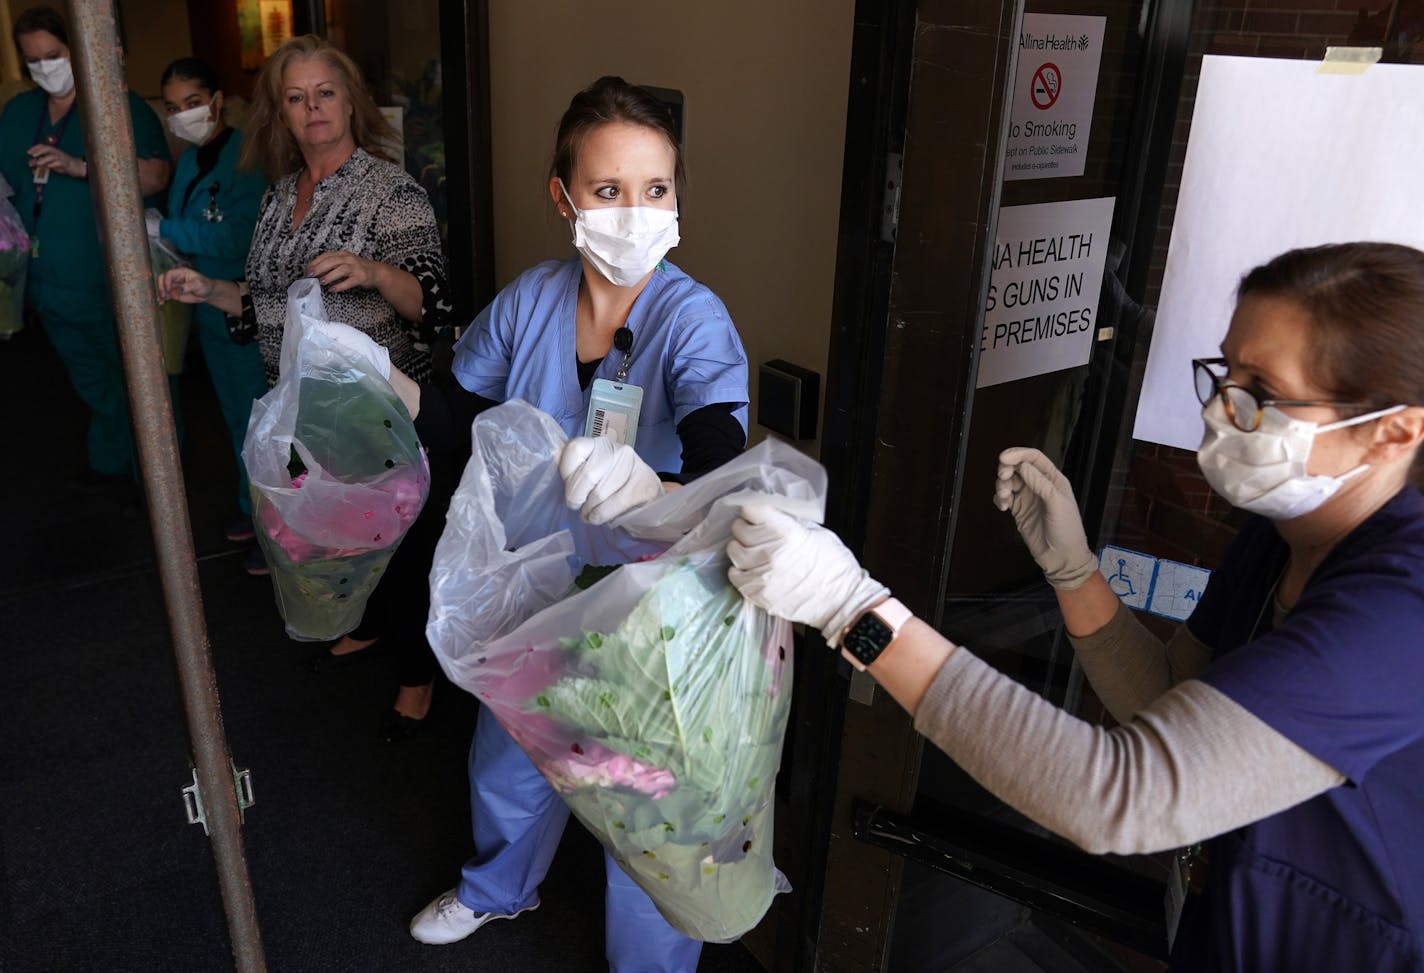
1366 307
268 143
39 19
611 99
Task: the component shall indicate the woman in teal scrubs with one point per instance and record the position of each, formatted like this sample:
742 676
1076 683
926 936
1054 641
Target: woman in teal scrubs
212 207
42 157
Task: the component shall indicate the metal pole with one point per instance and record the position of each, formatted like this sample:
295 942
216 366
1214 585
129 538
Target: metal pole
113 173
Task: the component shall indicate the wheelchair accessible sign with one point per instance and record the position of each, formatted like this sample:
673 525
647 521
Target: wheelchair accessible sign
1167 588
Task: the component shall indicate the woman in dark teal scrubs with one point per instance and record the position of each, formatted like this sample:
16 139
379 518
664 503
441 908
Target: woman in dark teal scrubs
42 157
212 207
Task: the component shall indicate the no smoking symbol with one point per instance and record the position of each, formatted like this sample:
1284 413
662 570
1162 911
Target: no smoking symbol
1047 83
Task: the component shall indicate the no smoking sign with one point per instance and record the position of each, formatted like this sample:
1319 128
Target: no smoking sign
1047 83
1055 84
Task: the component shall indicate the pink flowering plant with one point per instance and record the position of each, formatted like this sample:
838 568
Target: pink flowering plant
14 265
654 700
663 734
338 474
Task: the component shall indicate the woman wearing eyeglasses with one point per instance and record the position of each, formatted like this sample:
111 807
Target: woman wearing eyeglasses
1284 722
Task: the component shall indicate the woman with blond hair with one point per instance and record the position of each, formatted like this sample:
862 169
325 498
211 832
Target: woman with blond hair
341 211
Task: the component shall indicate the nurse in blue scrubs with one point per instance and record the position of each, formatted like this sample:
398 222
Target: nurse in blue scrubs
42 156
212 208
556 337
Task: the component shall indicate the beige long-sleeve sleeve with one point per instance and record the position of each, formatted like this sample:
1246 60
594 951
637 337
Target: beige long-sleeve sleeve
1130 667
1188 765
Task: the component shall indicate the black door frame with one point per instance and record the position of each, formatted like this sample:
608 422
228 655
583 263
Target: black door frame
879 398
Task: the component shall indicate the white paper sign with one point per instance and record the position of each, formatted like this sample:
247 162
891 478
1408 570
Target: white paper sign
1177 589
1280 156
1043 291
1167 588
1054 90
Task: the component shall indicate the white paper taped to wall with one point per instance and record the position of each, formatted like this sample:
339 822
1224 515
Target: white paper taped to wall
1280 156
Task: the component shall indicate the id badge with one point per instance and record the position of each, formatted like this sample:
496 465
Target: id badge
1178 882
41 175
613 409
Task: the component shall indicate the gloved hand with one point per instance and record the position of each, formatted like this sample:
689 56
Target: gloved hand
604 479
153 220
800 572
1046 514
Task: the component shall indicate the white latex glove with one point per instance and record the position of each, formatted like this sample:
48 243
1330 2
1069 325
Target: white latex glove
604 479
1046 514
798 571
152 219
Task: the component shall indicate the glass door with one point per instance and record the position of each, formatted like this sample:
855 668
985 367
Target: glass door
398 51
1057 308
426 63
1087 200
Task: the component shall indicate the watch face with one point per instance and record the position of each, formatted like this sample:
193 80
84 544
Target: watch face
867 638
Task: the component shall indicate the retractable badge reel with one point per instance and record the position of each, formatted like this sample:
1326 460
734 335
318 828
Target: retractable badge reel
613 407
213 214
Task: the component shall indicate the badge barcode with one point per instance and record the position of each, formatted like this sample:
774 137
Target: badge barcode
598 415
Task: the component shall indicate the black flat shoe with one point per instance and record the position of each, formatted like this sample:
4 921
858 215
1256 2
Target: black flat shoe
398 728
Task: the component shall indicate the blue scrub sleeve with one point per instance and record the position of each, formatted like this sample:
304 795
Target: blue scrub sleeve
13 142
149 142
484 352
708 365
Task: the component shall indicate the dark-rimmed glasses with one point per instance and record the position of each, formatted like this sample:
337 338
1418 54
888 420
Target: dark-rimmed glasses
1241 405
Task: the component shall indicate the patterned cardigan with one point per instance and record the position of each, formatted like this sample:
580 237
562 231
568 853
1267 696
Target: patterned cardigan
371 208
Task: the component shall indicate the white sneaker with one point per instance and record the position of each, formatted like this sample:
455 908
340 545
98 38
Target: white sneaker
448 920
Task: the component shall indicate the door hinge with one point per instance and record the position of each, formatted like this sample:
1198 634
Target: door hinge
193 796
890 207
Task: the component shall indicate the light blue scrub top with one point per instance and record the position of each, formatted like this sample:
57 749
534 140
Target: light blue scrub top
686 354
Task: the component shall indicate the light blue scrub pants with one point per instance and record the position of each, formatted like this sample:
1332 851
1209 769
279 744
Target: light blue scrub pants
238 378
518 820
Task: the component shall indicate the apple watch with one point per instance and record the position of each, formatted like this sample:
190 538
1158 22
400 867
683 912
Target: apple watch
866 637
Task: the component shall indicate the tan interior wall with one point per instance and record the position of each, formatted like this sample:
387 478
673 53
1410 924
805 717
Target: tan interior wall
155 32
765 88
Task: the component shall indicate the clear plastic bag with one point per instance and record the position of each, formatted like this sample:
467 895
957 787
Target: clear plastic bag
14 266
175 319
337 472
654 701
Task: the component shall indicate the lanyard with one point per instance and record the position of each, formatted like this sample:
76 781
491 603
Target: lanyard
51 139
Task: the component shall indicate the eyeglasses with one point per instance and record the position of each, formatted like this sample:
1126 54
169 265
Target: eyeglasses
1241 405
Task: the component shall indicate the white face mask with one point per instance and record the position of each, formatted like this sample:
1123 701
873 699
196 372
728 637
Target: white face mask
624 243
193 124
54 75
1264 471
